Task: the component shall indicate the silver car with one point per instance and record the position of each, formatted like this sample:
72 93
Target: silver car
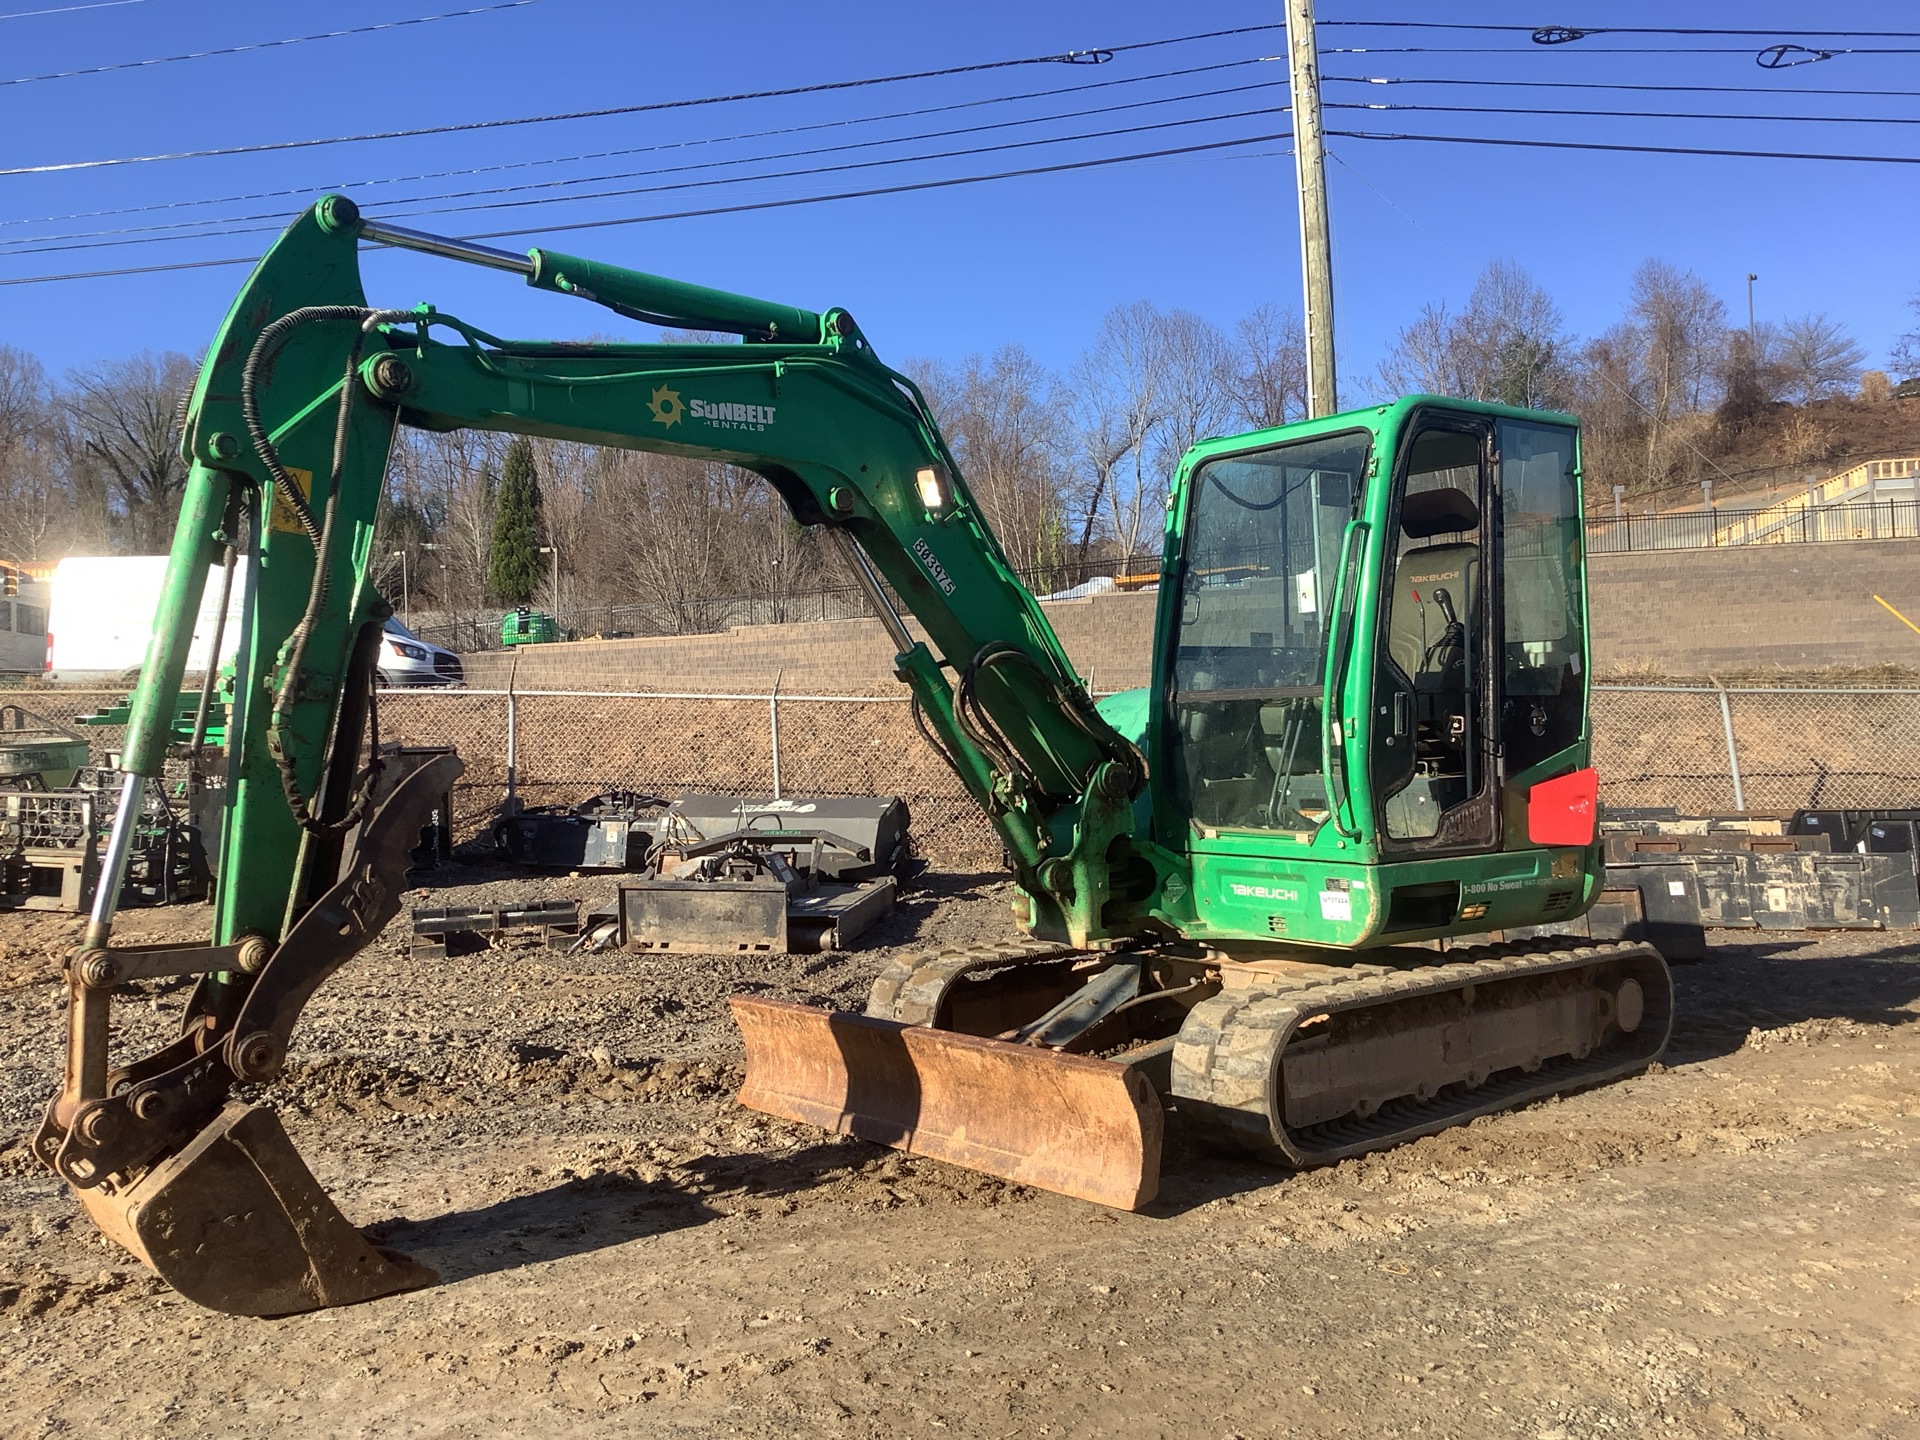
406 659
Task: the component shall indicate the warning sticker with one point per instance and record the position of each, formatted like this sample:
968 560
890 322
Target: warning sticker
283 517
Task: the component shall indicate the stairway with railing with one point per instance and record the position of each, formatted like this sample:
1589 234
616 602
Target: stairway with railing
1841 507
1872 500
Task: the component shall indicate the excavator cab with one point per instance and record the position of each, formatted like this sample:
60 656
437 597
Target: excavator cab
1371 652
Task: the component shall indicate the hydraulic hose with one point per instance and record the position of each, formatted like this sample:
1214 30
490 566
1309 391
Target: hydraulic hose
319 532
981 729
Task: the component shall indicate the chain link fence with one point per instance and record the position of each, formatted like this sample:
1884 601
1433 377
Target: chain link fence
1699 749
1711 749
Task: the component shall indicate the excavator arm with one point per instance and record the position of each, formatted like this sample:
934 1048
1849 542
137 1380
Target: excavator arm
288 436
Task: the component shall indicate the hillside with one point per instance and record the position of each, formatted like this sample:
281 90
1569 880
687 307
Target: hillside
1763 457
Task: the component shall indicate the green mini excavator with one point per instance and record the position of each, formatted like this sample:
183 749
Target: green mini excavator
1246 891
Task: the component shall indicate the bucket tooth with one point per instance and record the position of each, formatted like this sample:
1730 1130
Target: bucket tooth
237 1223
1071 1124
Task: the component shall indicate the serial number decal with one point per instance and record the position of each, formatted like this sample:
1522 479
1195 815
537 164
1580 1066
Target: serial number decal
934 567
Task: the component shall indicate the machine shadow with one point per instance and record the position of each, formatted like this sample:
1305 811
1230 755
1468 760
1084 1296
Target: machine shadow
597 1212
1756 982
1768 982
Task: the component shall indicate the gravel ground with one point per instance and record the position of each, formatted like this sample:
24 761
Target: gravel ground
1724 1246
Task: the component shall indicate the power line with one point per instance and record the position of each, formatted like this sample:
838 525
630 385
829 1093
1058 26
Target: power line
1630 149
812 170
1606 85
804 172
267 44
38 244
1823 54
1098 56
1629 114
70 9
905 187
698 141
908 187
1616 29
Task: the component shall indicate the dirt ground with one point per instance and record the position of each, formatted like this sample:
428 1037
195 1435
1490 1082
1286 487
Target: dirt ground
1723 1247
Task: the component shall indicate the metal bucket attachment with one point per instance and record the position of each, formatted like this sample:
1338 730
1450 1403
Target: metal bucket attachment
1067 1123
237 1223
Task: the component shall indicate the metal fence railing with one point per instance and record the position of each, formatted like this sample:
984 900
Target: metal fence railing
1700 749
1722 527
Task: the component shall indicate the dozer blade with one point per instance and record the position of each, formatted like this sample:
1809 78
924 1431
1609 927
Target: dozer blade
1067 1123
237 1223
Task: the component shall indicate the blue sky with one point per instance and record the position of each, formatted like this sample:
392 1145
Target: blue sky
942 273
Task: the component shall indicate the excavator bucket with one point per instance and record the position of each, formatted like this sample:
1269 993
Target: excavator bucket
237 1223
1067 1123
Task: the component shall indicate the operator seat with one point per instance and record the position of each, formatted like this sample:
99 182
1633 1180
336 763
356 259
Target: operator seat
1430 581
1435 595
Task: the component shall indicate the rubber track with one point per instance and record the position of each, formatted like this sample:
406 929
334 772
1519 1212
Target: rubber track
1226 1058
910 991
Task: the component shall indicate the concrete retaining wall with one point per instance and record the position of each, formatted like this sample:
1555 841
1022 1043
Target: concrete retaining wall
1674 612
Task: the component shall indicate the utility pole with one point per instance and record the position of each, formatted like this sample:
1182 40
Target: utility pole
406 595
1310 167
1752 334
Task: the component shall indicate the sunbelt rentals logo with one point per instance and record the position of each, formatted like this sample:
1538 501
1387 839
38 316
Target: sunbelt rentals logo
668 409
665 406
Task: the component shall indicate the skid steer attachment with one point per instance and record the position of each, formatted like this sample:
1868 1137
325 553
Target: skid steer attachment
1067 1123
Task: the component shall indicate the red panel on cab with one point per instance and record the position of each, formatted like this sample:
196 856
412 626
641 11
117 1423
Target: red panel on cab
1562 811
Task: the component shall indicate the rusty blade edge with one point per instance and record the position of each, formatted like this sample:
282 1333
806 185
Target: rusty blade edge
1086 1128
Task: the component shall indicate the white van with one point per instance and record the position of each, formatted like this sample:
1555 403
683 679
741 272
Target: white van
101 615
103 609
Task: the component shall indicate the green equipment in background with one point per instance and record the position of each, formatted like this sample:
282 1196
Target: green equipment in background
528 627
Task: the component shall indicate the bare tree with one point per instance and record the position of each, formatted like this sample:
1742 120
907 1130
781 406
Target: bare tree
1199 387
126 419
1512 340
1681 323
1818 358
1678 330
679 535
1004 416
1268 381
1905 355
36 505
1752 379
1508 345
1119 399
1423 358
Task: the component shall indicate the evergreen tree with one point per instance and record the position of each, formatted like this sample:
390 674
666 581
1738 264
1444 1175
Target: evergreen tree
513 559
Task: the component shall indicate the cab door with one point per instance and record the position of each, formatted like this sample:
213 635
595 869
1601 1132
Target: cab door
1433 761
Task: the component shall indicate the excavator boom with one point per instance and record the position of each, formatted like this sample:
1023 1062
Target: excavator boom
287 437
